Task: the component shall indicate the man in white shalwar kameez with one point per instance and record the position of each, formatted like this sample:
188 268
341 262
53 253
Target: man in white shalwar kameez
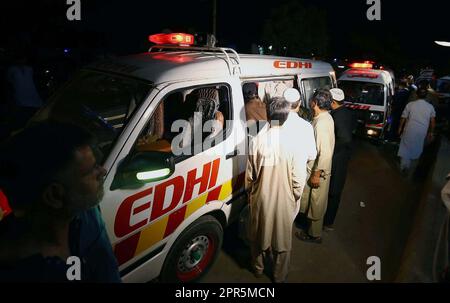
300 131
274 181
416 124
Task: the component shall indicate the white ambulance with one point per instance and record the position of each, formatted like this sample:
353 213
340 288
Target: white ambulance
166 213
369 92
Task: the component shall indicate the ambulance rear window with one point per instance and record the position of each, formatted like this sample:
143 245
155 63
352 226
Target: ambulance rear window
99 102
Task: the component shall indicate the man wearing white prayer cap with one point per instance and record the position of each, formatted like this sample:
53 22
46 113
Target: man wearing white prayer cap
301 132
344 123
337 94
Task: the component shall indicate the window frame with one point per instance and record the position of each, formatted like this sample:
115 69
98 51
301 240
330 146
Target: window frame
305 101
227 130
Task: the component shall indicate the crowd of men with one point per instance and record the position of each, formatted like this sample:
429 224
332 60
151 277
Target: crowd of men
295 169
305 177
303 172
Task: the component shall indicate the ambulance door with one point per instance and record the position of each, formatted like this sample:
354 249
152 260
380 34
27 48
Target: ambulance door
153 191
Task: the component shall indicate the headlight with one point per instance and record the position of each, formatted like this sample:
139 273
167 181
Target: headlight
372 132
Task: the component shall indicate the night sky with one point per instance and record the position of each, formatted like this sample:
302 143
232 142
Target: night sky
125 25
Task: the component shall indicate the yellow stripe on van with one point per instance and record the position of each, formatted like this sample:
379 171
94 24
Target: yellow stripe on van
152 235
227 189
196 204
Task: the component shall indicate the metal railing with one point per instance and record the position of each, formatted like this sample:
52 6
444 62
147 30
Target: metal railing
234 66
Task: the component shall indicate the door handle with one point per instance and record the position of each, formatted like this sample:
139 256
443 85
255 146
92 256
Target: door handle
231 155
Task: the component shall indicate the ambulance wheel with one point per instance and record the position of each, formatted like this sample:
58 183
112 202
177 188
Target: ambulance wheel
194 252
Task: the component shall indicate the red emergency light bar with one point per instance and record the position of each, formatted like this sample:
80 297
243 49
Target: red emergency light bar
4 206
365 64
362 74
174 38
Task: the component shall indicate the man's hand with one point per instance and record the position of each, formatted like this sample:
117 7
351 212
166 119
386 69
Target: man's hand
314 180
430 138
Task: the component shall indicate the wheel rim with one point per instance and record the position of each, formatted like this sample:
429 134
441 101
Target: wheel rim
195 257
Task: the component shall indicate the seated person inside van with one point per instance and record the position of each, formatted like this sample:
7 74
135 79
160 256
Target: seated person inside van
207 105
158 135
255 109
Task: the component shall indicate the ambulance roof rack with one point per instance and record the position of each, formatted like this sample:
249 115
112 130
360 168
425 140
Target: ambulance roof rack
233 67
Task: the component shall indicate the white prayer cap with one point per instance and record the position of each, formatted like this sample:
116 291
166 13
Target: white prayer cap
338 94
291 95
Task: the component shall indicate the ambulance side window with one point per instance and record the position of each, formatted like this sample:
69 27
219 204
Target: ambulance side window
187 121
273 88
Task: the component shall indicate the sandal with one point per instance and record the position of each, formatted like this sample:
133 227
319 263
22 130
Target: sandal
307 238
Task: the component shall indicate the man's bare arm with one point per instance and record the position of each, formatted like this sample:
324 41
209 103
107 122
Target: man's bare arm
432 125
402 124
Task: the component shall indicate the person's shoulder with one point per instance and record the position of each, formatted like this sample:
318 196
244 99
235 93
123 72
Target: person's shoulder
302 121
340 112
429 106
324 121
349 113
327 116
297 123
422 103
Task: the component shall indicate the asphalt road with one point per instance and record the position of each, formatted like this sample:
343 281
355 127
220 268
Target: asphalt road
380 228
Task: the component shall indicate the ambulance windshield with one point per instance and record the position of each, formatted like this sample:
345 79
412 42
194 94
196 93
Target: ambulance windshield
362 92
101 103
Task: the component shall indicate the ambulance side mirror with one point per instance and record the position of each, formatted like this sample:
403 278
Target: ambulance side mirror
142 168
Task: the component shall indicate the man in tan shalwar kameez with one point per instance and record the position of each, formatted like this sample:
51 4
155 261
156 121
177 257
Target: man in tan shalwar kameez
275 184
315 196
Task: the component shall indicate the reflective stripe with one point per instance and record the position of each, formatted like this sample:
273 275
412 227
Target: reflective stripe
357 106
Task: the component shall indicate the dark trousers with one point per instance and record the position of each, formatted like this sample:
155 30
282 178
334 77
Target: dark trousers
393 128
337 182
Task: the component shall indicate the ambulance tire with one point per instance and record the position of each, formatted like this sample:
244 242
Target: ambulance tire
206 233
